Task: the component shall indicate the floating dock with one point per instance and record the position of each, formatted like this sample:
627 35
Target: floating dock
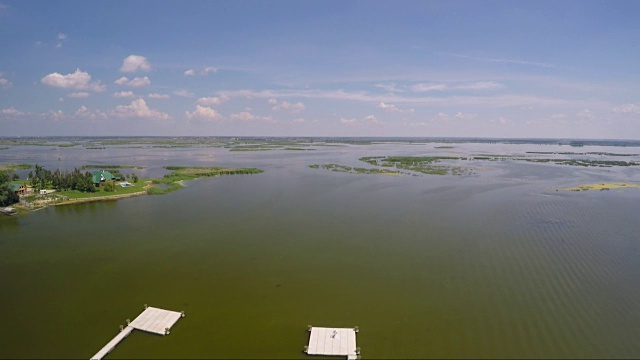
333 342
153 320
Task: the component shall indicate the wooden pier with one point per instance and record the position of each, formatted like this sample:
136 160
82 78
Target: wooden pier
333 342
153 320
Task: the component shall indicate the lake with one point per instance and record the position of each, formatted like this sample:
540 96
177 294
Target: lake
492 264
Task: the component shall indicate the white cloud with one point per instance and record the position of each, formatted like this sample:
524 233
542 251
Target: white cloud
123 80
77 95
55 115
207 70
297 107
135 82
84 112
501 101
138 108
506 61
248 116
183 93
12 112
627 109
428 87
158 96
389 87
139 82
297 121
481 85
500 121
272 101
371 119
78 80
203 112
349 122
586 114
61 37
124 94
213 100
463 116
4 83
392 108
133 63
4 6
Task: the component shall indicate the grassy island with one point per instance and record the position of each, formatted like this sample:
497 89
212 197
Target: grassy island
46 192
602 186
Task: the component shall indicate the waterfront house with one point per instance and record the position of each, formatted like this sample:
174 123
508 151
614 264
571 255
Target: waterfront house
100 177
19 189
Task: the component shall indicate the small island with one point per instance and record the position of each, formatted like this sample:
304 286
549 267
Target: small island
44 188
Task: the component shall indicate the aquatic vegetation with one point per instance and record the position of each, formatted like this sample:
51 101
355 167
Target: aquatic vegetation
174 180
602 186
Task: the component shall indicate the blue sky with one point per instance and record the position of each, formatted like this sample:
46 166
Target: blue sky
567 69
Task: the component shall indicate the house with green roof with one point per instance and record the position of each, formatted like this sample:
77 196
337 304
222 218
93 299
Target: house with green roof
19 189
100 177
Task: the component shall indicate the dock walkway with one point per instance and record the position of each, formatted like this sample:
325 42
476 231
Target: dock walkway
153 320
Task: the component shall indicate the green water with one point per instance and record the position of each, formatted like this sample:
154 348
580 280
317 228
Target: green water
489 266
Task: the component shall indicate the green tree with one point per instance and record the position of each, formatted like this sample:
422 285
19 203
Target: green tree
110 186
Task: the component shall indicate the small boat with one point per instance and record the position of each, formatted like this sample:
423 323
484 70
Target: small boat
8 211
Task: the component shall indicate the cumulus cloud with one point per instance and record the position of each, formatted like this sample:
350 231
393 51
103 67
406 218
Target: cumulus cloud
123 80
124 94
392 108
464 116
158 96
183 93
350 122
135 82
139 82
272 101
55 115
12 112
203 113
287 106
207 70
586 114
248 116
213 100
84 112
139 108
78 80
77 95
61 37
627 109
4 83
133 63
500 121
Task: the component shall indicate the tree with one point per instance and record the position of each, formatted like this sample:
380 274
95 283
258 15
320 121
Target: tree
134 177
110 186
15 177
7 196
